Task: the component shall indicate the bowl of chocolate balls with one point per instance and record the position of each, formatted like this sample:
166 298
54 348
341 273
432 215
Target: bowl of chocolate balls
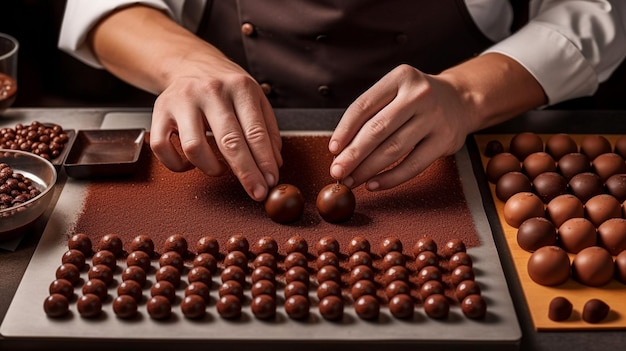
26 189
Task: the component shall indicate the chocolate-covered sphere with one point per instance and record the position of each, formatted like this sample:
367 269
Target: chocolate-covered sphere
549 185
512 183
358 243
459 259
142 242
399 287
535 233
331 308
295 259
620 146
63 287
104 257
97 287
205 260
140 259
135 273
263 273
111 242
263 306
68 272
560 309
328 288
360 258
466 288
620 267
401 306
176 242
361 272
576 234
524 144
75 257
237 242
200 289
266 244
537 163
595 311
327 259
165 289
232 288
586 185
89 306
393 258
474 306
297 307
284 203
170 274
388 245
612 235
56 306
193 307
549 266
452 246
426 258
80 242
572 164
336 203
522 206
159 307
593 266
236 258
130 288
172 258
125 307
396 273
296 243
608 164
601 208
428 273
616 186
561 144
594 146
328 273
298 274
209 245
425 243
564 207
263 287
297 288
501 164
437 306
233 273
327 244
461 273
265 259
199 274
229 307
493 147
367 307
101 272
431 287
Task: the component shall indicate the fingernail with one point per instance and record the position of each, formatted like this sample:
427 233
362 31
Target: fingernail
349 181
269 178
373 185
258 192
333 147
336 171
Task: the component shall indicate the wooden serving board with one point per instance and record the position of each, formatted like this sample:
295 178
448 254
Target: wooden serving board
538 297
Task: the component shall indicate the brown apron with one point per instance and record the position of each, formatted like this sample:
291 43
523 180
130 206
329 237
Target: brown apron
325 53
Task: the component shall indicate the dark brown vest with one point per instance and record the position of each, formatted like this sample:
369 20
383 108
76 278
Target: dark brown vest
324 53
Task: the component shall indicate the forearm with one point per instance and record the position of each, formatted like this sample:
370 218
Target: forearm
493 89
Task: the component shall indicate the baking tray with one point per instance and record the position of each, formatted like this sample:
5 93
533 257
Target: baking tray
104 153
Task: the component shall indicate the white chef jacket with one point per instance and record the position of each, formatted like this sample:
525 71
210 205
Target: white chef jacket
569 46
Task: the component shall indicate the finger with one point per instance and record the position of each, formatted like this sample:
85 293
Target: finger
273 131
161 131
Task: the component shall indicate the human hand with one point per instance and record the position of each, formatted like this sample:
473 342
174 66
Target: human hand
397 128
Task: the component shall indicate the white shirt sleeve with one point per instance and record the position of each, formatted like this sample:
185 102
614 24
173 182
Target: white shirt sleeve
81 15
569 46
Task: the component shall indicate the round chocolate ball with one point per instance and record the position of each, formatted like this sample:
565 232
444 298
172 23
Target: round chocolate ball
620 146
125 307
297 307
461 273
80 242
367 307
459 259
327 288
396 273
63 287
586 185
361 272
361 288
595 311
521 207
560 309
535 233
170 274
360 258
331 308
98 288
89 306
549 266
232 288
263 273
140 259
135 273
236 258
296 243
328 273
104 257
297 288
229 307
524 144
56 305
595 145
68 272
193 307
425 259
572 164
401 306
295 259
601 208
620 267
165 289
143 243
616 186
336 203
177 243
431 287
393 258
327 244
537 163
75 257
284 203
159 307
199 274
428 273
263 306
265 259
237 242
358 243
474 306
561 144
564 207
327 259
437 306
173 259
608 164
512 183
101 272
113 243
205 260
208 245
263 287
493 148
576 234
425 243
297 274
267 245
501 164
233 273
549 185
466 288
593 266
200 289
452 246
397 287
390 244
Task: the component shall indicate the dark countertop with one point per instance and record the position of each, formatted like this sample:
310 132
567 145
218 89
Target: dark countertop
14 264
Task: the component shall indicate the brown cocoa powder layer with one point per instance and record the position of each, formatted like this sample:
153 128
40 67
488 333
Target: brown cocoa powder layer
159 202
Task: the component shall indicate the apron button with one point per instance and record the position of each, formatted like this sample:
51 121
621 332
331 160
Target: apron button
323 90
247 29
267 88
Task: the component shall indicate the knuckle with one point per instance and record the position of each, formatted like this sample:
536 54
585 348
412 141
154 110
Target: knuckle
231 142
378 127
394 149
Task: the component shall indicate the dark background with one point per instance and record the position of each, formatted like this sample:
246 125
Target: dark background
51 78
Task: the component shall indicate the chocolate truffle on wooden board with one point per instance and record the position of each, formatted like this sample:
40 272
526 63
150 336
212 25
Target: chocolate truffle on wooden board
586 185
560 144
501 164
535 233
612 235
572 164
620 146
512 183
576 234
608 164
522 206
564 207
537 163
620 267
336 203
560 309
594 145
549 266
549 185
493 148
524 144
284 203
616 186
593 266
595 311
56 306
601 208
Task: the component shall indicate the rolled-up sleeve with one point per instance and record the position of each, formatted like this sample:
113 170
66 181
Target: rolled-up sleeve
569 46
81 15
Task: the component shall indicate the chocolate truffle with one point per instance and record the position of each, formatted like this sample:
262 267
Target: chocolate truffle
263 273
608 164
524 144
328 273
461 273
236 258
620 267
549 266
267 245
560 309
172 258
358 243
336 203
138 258
101 272
425 243
466 288
394 258
68 272
75 257
327 288
296 243
284 203
170 274
537 163
295 259
113 243
143 243
263 307
234 273
620 146
327 244
459 259
263 287
298 274
452 246
361 272
616 186
390 244
208 245
425 259
205 260
104 257
63 287
265 259
564 207
586 185
595 311
367 307
437 306
431 287
521 207
401 306
199 274
396 273
361 288
297 307
237 242
229 307
549 185
135 273
601 208
493 148
576 234
56 306
193 307
360 258
474 306
327 259
501 164
593 266
96 287
231 287
299 288
89 306
125 307
512 183
200 289
397 287
159 307
165 289
428 273
130 288
177 243
561 144
536 232
80 242
594 146
331 308
572 164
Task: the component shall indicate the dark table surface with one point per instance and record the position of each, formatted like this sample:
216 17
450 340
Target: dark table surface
14 263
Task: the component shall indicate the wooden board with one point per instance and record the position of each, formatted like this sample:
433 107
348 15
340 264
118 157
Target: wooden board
537 296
